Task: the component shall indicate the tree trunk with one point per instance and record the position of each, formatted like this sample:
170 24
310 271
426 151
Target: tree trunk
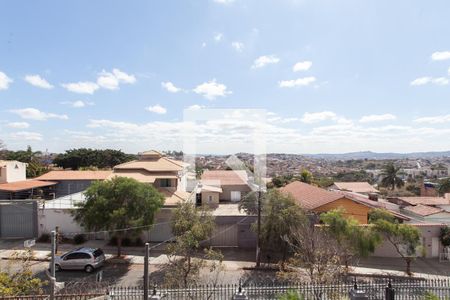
408 266
119 245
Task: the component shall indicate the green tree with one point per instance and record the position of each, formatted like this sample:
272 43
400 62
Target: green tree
21 281
405 238
445 236
353 240
390 177
305 176
279 214
118 204
190 226
3 150
76 159
444 186
280 181
32 158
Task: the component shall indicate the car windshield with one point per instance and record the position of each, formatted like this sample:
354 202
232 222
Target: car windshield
98 252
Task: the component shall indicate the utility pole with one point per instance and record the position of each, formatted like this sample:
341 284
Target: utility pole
146 266
258 238
52 267
56 239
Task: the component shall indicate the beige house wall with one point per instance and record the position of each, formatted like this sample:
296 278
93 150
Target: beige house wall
227 189
428 232
214 201
13 171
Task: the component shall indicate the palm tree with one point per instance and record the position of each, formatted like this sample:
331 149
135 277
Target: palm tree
444 186
391 177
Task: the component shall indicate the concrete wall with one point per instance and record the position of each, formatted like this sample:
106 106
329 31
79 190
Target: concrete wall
428 232
227 189
13 171
48 219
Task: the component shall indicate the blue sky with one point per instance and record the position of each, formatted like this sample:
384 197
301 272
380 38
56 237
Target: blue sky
333 76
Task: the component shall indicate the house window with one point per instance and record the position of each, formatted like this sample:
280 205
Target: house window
210 198
165 183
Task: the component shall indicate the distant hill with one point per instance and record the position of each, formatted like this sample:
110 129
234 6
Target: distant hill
375 155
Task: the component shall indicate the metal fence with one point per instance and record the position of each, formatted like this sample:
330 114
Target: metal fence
373 290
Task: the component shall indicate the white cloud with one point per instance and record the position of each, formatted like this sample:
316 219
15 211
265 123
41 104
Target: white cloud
26 136
427 79
305 81
170 87
238 46
218 37
440 81
78 103
377 118
265 60
310 118
224 1
195 107
5 81
443 55
35 114
302 66
111 80
211 90
434 120
18 125
157 109
82 87
38 81
421 81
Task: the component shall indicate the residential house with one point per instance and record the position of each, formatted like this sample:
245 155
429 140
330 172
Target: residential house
428 214
429 201
72 182
318 200
233 184
355 187
14 184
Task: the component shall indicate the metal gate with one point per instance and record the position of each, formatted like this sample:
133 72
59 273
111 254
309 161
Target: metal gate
18 219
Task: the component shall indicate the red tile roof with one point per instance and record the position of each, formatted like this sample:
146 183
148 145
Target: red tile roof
308 196
357 187
75 175
423 210
24 185
224 177
425 200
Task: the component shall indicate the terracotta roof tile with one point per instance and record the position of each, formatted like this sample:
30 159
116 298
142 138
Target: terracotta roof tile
308 196
75 175
425 200
357 187
24 185
423 210
224 177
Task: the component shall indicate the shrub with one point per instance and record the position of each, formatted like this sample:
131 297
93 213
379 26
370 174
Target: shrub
79 239
44 238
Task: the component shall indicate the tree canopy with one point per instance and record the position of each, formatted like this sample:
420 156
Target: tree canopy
190 226
352 239
405 238
35 166
117 204
444 186
76 159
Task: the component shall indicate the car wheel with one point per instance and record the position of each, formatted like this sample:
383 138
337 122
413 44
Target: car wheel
57 268
89 269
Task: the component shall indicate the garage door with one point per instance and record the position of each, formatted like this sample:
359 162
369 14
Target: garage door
18 220
225 235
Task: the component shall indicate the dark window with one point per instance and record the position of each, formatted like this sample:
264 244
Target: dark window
165 183
84 256
98 252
